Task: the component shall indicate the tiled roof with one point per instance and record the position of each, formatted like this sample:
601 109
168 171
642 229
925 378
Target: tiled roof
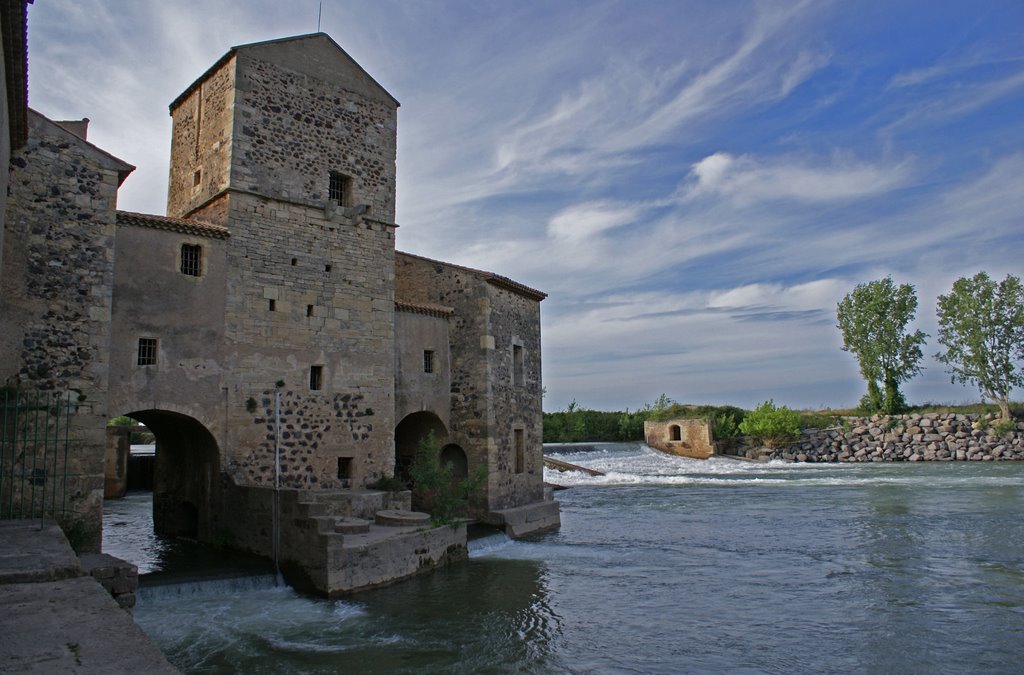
194 227
489 277
424 308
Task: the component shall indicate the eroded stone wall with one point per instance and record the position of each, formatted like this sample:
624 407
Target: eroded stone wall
293 131
514 326
488 406
56 297
304 291
201 142
683 437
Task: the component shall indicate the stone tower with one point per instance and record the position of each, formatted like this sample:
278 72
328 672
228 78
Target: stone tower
290 146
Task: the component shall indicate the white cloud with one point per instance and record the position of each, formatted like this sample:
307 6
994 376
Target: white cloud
748 179
582 221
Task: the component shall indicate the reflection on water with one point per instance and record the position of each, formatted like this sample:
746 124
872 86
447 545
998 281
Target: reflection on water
671 565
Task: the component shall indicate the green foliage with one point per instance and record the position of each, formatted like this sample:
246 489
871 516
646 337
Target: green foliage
575 424
981 326
122 421
873 320
1004 427
437 491
724 427
770 425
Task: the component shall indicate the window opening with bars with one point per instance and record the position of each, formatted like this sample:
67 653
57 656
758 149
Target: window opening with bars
339 189
191 259
147 352
428 361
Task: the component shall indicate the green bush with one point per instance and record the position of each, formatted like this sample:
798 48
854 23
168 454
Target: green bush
436 491
770 425
724 427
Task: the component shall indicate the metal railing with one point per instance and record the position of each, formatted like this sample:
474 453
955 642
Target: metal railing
34 434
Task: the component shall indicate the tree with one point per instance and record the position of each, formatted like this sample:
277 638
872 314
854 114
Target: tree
873 320
981 325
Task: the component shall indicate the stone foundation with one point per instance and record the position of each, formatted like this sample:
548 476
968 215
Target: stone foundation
118 577
523 520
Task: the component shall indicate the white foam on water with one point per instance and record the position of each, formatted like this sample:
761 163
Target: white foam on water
489 544
637 464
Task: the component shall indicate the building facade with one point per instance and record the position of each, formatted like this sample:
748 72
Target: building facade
265 330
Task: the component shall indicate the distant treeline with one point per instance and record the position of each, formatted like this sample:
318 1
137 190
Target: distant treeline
576 424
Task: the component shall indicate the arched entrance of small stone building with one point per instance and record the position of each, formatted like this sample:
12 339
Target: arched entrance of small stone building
409 433
675 433
187 464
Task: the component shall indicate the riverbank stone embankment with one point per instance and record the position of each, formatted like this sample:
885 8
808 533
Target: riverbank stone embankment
930 437
59 615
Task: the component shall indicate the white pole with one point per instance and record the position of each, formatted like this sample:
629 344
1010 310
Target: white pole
277 482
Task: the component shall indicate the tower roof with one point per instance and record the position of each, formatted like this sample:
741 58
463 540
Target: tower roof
315 67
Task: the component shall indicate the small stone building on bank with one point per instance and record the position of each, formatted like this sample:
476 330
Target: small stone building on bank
265 330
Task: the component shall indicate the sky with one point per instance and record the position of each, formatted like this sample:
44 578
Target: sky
695 184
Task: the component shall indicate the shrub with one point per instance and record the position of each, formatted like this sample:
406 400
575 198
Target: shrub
770 425
436 491
723 427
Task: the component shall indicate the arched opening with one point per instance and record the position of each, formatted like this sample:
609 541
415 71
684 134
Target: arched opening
675 433
408 434
453 456
180 465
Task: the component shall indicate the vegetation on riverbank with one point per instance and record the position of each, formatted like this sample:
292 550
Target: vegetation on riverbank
577 424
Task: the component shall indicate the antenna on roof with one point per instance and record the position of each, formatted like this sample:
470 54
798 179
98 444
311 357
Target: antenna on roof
318 12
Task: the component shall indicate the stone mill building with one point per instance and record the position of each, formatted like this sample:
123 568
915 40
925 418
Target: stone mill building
266 330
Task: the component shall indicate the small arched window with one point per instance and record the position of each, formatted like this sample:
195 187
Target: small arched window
675 433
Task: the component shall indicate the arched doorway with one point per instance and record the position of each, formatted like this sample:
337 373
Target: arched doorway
185 470
675 433
408 434
454 457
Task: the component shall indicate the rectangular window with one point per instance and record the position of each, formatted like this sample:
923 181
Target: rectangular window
191 259
517 365
309 310
147 352
344 468
272 305
340 189
197 178
520 441
316 378
428 361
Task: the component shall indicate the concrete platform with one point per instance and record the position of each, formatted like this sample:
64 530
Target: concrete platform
54 619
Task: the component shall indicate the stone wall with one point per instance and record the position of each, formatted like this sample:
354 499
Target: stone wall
55 297
201 142
489 404
118 577
683 437
307 290
943 437
418 330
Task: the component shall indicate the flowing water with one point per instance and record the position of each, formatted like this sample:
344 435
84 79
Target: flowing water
669 565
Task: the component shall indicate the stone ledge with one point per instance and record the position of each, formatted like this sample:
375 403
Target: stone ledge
527 519
29 552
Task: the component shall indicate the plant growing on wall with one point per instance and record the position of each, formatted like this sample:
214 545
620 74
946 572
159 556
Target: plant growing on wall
436 490
874 319
981 325
770 425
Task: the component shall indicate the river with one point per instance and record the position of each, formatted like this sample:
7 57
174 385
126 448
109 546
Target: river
668 565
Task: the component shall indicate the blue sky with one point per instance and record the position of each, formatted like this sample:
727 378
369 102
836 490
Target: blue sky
695 184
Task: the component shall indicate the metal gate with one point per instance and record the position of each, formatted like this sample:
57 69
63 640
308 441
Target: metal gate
33 453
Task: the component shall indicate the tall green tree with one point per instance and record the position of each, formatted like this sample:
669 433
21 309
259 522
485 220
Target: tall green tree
874 320
981 325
